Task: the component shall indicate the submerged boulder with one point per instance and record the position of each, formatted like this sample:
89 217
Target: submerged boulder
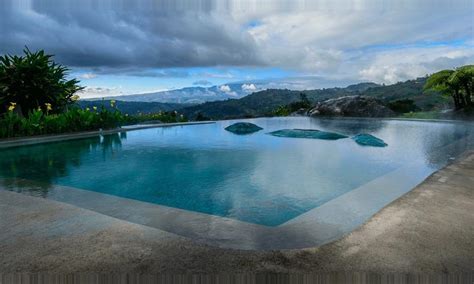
368 140
354 106
307 133
242 128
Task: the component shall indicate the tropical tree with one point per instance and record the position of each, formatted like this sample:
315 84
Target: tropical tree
464 78
458 84
35 81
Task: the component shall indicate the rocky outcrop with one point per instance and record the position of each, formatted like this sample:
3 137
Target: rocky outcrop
357 106
242 128
307 133
369 140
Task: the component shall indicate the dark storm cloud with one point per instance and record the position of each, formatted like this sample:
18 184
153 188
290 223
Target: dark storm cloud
142 72
94 34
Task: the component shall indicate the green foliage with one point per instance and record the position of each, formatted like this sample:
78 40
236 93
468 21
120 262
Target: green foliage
163 117
303 103
439 81
403 106
133 108
276 102
282 111
38 122
457 83
201 117
34 80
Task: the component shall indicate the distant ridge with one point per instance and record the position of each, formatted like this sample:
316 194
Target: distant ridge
189 95
263 103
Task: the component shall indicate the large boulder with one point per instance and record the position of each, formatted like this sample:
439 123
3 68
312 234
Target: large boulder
307 133
356 106
242 128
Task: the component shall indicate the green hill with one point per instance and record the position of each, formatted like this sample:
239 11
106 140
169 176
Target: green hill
265 102
134 107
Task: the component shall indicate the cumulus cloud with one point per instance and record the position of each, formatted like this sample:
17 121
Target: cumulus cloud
407 63
340 42
248 87
225 88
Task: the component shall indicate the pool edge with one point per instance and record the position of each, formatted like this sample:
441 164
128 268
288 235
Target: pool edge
25 141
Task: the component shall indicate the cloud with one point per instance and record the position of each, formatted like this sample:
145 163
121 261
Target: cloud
248 87
407 63
384 41
225 88
226 75
157 73
99 92
202 82
87 76
138 34
337 41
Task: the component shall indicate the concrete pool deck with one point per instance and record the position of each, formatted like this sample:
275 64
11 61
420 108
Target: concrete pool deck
429 230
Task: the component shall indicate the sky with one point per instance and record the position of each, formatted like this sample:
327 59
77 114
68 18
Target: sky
119 47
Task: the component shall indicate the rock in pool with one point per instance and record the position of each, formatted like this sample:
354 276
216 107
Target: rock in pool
369 140
242 128
307 133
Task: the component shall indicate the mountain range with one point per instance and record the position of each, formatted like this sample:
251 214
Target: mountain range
263 103
192 95
223 105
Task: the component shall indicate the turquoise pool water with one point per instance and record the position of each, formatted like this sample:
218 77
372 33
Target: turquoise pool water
255 178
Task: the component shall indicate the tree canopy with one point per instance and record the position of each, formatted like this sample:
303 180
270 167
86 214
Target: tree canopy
457 83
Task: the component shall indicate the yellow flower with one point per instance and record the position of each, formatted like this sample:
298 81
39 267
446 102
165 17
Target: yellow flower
12 106
48 107
112 103
94 107
88 109
75 98
39 108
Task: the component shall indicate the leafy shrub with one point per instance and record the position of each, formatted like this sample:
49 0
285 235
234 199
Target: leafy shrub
201 117
39 122
303 103
403 106
164 117
282 111
34 81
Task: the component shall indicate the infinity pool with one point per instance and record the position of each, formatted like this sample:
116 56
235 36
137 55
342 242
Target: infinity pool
257 178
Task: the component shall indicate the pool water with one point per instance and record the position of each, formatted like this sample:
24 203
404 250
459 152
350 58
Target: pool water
257 178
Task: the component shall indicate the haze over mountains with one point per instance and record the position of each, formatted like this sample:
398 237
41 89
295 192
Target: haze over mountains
193 95
235 102
264 103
